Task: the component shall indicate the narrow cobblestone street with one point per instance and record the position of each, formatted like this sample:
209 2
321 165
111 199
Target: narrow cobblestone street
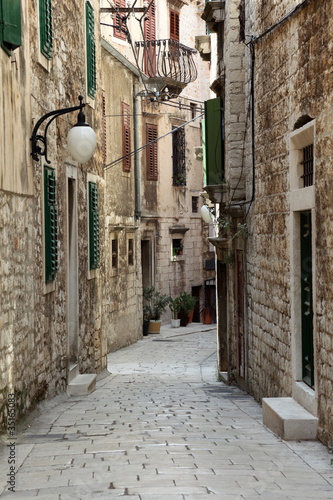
161 426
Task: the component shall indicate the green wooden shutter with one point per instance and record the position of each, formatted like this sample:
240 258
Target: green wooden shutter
93 226
91 51
50 225
214 141
45 27
10 24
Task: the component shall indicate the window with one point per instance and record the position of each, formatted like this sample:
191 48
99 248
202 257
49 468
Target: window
91 51
10 25
151 152
195 204
45 27
93 226
193 108
307 165
118 22
174 25
114 252
130 251
177 247
126 136
50 225
178 158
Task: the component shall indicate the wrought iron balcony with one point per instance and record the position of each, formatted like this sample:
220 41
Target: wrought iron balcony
167 63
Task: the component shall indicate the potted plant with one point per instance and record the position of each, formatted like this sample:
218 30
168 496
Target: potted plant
187 305
146 319
156 305
175 306
207 312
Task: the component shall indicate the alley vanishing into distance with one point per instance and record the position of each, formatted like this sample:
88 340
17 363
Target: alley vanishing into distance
161 426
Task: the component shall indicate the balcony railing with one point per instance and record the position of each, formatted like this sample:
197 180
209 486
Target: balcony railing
166 59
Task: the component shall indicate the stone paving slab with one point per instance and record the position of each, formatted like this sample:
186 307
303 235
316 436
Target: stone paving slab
160 426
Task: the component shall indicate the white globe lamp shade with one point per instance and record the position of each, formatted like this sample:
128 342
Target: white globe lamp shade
205 214
82 142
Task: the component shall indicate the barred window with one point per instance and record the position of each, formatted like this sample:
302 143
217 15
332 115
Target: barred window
50 225
178 158
307 166
45 27
91 51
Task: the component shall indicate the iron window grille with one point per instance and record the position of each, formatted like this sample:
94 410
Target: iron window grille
114 252
178 158
130 252
93 226
195 204
307 166
126 136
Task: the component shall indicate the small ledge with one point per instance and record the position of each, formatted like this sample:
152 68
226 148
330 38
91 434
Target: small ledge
113 227
214 14
218 242
178 229
203 46
216 192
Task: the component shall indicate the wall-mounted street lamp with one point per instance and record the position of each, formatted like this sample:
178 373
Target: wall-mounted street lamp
81 139
207 215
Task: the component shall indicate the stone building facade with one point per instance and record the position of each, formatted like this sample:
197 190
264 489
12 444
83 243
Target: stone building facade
276 310
50 317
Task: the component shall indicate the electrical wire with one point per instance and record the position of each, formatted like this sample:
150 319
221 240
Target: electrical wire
128 155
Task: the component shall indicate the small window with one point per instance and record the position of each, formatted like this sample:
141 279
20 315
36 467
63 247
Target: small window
50 225
114 253
117 32
174 25
10 25
45 27
93 226
307 166
177 247
193 108
126 136
178 158
130 252
151 152
195 204
91 51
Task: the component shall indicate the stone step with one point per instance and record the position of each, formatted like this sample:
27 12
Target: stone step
288 419
81 385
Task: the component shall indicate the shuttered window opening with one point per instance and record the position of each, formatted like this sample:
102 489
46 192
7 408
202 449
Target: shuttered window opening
50 225
93 226
117 21
178 158
214 141
126 136
91 51
174 25
45 27
10 25
151 152
104 127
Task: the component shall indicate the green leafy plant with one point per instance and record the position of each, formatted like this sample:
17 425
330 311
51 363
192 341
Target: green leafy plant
156 303
179 180
175 306
187 302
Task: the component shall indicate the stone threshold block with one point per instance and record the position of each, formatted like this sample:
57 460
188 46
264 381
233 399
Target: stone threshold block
288 419
82 385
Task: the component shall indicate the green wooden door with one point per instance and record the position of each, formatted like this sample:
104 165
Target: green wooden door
306 297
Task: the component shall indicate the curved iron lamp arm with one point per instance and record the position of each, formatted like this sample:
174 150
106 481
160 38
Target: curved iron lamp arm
36 150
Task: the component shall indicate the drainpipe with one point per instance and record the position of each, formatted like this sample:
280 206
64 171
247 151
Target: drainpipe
137 154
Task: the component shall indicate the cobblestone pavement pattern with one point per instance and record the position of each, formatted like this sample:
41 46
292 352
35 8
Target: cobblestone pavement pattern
160 426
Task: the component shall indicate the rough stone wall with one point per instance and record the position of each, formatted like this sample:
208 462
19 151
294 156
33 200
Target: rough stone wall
34 359
293 78
122 309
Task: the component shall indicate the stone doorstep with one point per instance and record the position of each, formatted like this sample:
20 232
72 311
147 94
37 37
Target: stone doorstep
82 385
288 419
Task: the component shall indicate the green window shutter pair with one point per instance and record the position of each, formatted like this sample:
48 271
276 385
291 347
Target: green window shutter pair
91 51
50 225
214 144
93 226
10 25
45 23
